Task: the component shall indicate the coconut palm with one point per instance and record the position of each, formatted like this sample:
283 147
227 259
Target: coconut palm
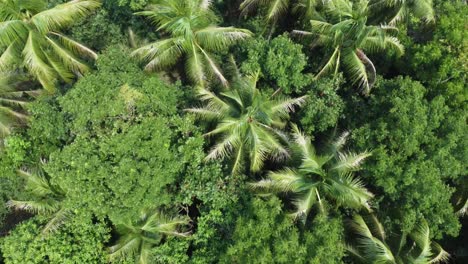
30 37
137 239
395 11
320 177
46 199
345 33
193 34
248 123
15 93
373 246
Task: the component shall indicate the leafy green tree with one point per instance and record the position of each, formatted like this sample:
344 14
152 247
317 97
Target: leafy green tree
138 238
328 176
15 93
194 35
46 199
263 234
346 34
280 61
325 106
248 122
400 10
373 246
30 37
419 150
78 241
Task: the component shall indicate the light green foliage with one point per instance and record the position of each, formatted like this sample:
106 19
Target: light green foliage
324 108
411 150
280 61
130 145
265 235
80 241
30 36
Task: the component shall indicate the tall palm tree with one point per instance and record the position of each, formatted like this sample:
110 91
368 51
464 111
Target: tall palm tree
373 246
15 93
399 10
328 176
30 37
248 123
137 239
46 199
193 33
345 33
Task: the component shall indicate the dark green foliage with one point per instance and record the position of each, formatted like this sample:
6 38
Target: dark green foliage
324 107
280 62
266 235
98 31
80 241
404 130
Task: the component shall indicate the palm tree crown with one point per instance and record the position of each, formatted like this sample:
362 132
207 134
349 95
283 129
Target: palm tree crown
373 246
137 239
47 199
328 176
400 10
15 93
29 36
346 33
248 122
193 34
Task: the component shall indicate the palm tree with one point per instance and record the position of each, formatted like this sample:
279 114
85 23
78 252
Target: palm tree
137 239
30 37
248 123
373 246
328 176
276 8
193 33
400 10
15 93
46 199
348 37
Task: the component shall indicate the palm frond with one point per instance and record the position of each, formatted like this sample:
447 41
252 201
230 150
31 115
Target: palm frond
63 15
350 161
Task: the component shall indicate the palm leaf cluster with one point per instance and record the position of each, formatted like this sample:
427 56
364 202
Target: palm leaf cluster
395 11
45 199
15 93
193 34
345 33
137 239
320 177
249 123
373 246
30 37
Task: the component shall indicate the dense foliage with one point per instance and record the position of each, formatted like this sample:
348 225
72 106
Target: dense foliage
173 131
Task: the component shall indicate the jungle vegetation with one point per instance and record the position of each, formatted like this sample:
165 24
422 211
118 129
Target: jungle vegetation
241 131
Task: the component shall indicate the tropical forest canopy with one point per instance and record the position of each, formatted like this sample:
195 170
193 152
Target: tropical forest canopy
235 131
